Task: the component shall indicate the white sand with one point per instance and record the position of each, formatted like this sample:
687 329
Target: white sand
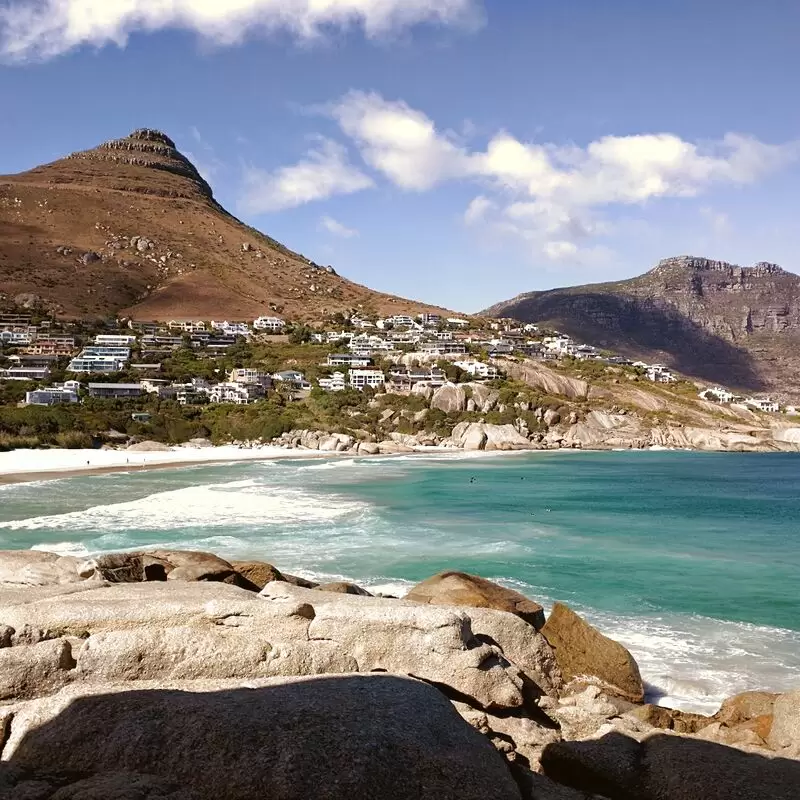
20 462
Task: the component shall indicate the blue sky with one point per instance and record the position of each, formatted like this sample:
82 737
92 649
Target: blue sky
455 151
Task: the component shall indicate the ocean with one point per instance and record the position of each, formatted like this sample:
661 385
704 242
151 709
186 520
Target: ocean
692 560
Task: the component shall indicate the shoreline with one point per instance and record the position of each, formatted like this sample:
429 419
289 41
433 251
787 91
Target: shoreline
71 464
28 466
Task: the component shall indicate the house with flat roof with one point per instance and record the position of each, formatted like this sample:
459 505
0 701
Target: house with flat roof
269 324
348 360
478 369
114 340
335 383
116 391
239 394
763 404
361 378
443 348
25 374
54 395
247 375
96 364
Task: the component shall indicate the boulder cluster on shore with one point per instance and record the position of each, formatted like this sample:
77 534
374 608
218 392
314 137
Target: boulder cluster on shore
177 675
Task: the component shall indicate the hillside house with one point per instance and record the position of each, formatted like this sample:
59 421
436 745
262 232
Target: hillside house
96 364
16 338
116 391
54 395
457 322
187 327
361 378
52 346
348 360
763 404
396 321
335 383
443 348
231 328
236 393
249 375
25 374
717 395
430 320
269 324
478 369
658 373
114 340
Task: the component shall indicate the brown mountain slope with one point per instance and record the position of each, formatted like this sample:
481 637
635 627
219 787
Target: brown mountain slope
739 326
71 234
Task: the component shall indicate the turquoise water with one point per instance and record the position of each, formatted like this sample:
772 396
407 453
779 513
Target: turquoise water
692 560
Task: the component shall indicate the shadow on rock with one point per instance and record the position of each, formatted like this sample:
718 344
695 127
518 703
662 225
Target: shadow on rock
330 738
666 767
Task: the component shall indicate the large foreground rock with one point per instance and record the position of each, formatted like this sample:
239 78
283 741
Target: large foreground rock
462 589
664 767
175 630
582 651
364 737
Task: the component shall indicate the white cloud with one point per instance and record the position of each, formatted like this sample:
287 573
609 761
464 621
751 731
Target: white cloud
477 210
324 172
552 193
399 141
41 29
336 228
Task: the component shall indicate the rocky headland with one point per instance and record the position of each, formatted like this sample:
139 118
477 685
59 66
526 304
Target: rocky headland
713 320
180 675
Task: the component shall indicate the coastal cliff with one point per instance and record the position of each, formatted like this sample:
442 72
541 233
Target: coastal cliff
172 674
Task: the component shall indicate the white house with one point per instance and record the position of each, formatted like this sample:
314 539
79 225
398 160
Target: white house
348 360
231 328
17 338
96 364
269 324
717 394
762 404
114 340
236 393
397 321
248 375
557 344
658 373
457 322
360 378
336 383
66 392
478 369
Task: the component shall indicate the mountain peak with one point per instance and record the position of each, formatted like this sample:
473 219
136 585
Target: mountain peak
701 264
144 147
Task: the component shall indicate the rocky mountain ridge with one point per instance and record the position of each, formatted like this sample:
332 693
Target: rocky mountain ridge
71 237
721 322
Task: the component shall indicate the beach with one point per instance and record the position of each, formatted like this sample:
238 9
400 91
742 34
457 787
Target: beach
18 466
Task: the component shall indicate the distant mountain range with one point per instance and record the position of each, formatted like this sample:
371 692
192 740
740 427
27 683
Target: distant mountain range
131 228
738 326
